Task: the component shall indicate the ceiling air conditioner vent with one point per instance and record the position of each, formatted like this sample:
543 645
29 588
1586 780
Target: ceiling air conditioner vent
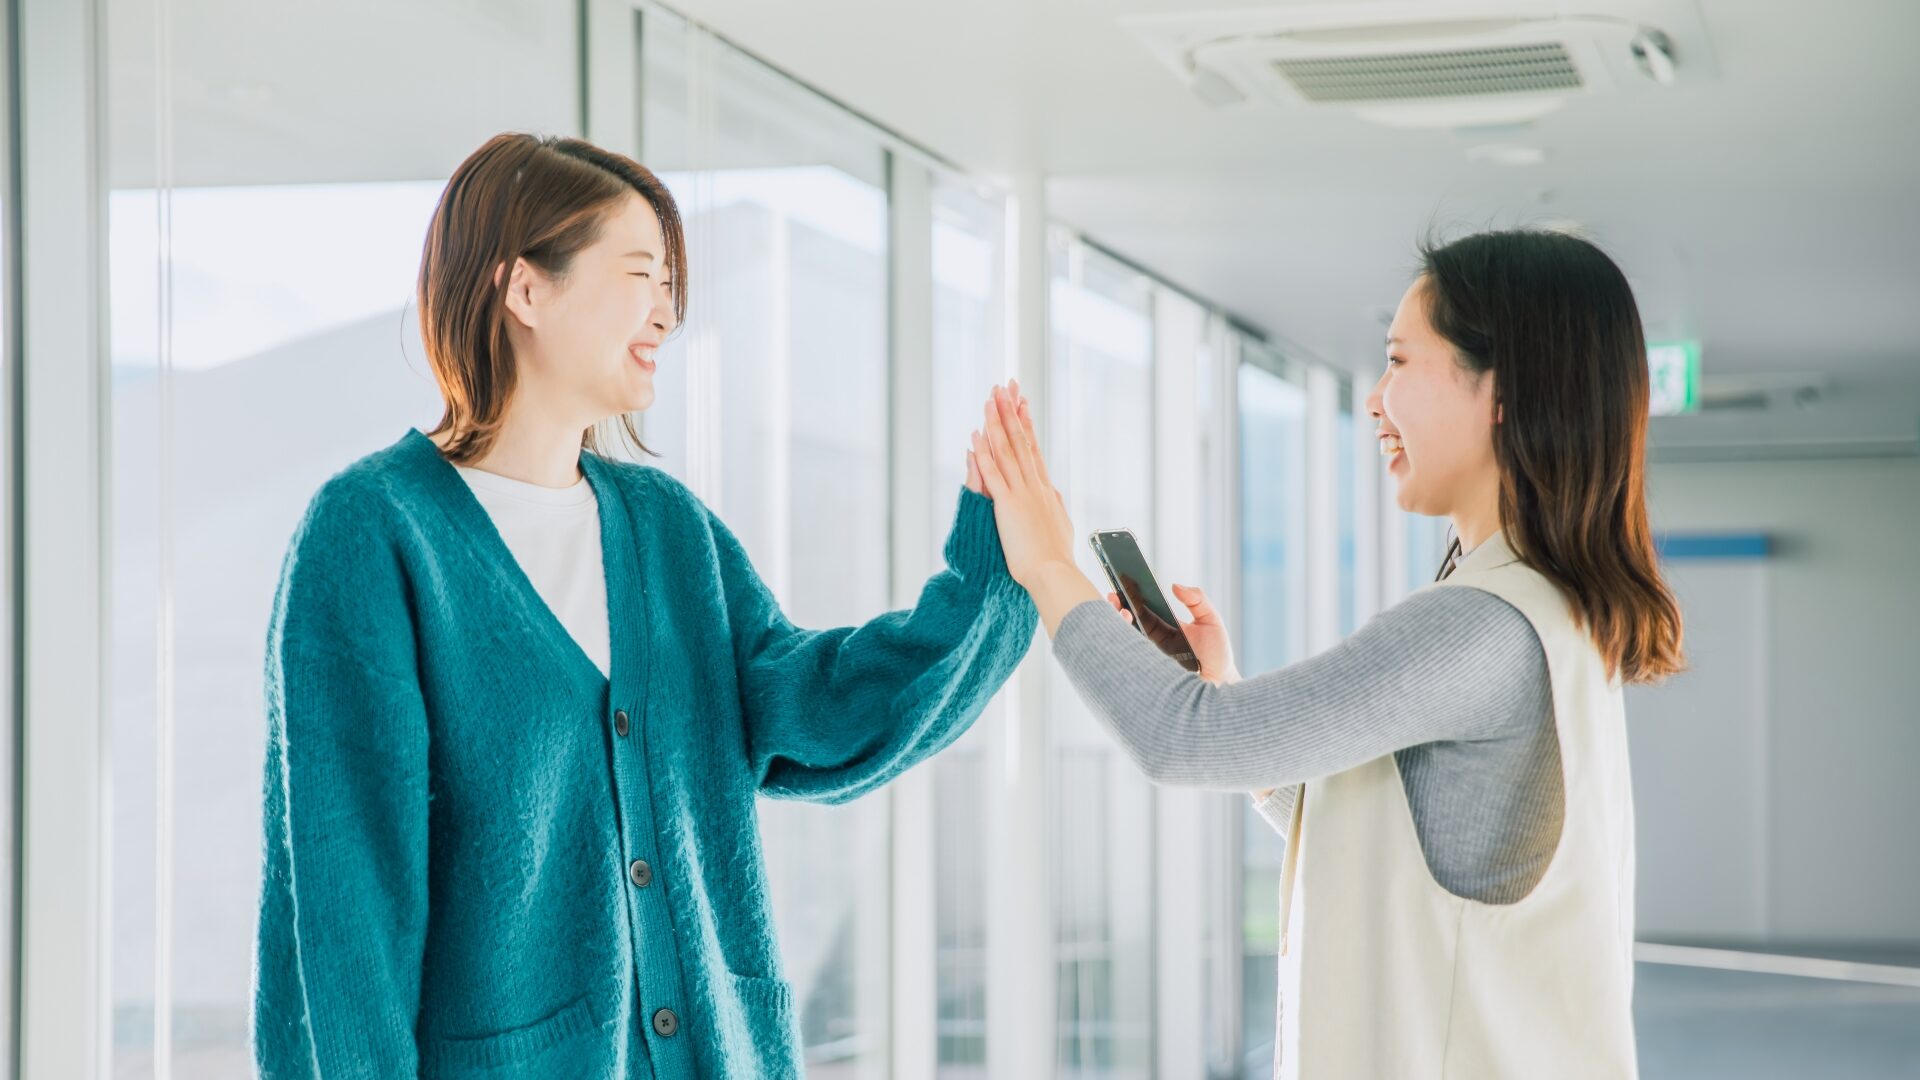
1522 69
1434 63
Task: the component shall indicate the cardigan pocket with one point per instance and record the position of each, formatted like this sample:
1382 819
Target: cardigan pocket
557 1044
773 1029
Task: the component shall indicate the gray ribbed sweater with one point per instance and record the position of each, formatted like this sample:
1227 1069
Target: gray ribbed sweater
1452 682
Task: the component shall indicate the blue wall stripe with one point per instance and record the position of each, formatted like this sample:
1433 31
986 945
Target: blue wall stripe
1713 545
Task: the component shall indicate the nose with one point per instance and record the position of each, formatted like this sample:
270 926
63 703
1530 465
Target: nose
662 316
1376 405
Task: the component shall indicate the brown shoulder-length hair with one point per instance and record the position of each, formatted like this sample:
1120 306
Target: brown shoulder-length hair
1554 320
542 199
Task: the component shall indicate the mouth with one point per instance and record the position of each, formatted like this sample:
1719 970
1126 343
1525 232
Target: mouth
1392 449
642 355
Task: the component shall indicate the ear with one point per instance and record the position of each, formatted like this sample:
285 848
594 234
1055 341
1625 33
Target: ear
1491 388
520 291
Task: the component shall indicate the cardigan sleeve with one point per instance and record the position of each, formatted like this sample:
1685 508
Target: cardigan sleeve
343 901
832 714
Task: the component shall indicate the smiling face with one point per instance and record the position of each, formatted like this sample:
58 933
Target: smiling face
1435 417
586 341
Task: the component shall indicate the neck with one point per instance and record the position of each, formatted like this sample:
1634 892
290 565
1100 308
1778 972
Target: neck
535 446
1478 518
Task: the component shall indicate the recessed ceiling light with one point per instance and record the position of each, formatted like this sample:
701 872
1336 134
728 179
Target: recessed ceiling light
1508 154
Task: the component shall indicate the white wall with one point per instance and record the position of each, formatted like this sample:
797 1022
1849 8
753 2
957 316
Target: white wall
1818 817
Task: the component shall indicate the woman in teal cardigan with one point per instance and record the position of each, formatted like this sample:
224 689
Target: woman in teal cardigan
483 856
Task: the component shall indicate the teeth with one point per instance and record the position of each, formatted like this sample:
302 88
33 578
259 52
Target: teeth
1390 445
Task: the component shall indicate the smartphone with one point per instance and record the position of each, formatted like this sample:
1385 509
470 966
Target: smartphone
1140 594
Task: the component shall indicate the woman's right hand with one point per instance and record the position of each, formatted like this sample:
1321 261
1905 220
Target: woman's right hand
1206 634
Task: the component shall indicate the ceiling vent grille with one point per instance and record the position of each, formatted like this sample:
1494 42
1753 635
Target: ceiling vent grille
1526 69
1432 63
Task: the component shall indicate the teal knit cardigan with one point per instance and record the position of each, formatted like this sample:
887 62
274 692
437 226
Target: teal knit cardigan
483 857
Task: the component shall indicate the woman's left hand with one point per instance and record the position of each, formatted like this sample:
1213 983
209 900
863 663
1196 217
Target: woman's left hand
1206 634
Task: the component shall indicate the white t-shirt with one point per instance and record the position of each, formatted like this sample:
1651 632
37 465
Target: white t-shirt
554 534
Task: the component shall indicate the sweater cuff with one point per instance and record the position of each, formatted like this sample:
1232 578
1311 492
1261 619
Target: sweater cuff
1277 808
973 545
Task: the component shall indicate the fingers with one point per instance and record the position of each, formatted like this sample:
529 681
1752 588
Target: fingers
1033 440
1012 442
1196 602
1000 443
989 468
974 483
1008 408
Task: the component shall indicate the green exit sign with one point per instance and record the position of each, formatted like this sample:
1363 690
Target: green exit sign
1675 370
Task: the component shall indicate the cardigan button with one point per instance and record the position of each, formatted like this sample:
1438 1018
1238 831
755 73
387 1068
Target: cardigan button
641 873
665 1023
620 722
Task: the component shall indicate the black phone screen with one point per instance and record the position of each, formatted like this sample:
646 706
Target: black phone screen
1127 568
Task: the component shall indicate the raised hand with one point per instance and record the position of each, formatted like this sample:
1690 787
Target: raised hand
1034 528
1035 532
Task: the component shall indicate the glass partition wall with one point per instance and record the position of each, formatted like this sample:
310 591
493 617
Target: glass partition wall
1100 385
776 413
265 224
264 237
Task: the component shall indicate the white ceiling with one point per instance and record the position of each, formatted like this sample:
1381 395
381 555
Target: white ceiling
348 90
1773 213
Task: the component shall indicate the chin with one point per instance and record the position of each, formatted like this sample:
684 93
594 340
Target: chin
1407 498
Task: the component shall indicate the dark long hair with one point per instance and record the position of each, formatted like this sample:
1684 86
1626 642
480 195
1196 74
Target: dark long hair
1554 320
543 199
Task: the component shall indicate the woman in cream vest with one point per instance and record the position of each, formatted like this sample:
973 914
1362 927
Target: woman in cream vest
1452 779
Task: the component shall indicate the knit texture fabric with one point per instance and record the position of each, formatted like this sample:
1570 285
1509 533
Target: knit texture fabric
483 857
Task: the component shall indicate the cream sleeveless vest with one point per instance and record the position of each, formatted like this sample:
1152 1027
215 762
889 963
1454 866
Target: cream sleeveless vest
1390 975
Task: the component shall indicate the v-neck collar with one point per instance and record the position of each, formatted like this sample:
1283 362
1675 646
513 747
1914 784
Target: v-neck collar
450 488
1491 552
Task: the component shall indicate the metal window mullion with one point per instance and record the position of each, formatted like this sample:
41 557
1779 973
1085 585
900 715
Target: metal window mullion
62 413
1021 972
1180 540
1322 517
913 952
1229 865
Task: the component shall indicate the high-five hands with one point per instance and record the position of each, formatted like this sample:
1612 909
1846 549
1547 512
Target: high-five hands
1034 529
1007 465
1035 532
